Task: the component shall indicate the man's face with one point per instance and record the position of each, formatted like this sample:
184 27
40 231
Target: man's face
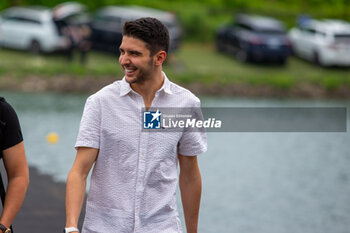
135 60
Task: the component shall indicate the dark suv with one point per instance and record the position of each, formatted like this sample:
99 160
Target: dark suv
254 38
108 22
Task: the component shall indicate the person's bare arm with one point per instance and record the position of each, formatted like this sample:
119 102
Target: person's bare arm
191 188
18 180
76 184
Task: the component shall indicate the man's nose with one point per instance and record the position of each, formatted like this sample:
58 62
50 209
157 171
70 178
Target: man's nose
124 59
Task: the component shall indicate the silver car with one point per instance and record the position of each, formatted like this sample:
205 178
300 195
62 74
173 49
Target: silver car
32 29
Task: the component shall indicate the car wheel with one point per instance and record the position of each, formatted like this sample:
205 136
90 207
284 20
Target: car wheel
34 47
282 61
316 59
242 55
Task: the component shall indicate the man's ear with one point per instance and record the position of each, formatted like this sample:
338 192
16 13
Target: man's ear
160 58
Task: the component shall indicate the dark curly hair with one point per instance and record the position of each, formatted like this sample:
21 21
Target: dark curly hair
150 30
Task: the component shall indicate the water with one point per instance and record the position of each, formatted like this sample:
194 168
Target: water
252 182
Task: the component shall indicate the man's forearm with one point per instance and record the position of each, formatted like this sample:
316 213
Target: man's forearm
191 190
75 192
15 194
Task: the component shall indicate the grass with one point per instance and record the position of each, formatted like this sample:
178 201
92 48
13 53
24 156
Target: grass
193 63
208 66
22 64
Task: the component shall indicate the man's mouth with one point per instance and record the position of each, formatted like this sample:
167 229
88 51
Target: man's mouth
129 71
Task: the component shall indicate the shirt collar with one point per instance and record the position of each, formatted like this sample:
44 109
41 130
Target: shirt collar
126 88
166 85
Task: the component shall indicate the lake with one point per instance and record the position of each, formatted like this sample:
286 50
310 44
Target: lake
252 182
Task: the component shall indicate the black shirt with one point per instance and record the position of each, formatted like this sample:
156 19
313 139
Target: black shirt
10 130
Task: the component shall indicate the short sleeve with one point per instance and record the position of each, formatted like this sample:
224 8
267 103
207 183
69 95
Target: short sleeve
10 127
193 143
89 130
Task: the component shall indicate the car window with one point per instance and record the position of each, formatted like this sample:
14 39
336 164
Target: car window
170 24
100 18
104 18
270 31
60 25
9 17
308 30
342 37
5 15
244 26
323 34
27 20
22 19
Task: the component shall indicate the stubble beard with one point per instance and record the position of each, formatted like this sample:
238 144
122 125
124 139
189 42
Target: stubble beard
144 74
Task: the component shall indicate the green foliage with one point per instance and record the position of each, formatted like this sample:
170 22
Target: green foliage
331 83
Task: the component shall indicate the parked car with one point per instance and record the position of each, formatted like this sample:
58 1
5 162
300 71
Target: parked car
254 38
30 28
324 42
108 22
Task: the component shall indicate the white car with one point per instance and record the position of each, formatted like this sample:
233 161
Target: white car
324 42
32 29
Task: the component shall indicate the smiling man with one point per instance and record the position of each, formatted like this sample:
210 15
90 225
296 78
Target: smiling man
134 180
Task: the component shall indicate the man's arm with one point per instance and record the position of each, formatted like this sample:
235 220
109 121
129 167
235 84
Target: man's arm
18 180
76 183
191 188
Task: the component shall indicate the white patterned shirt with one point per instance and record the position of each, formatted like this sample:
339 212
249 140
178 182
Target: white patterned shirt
134 178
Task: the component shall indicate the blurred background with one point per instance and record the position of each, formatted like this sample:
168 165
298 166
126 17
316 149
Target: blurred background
290 53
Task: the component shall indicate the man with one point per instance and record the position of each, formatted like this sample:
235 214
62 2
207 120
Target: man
13 154
134 178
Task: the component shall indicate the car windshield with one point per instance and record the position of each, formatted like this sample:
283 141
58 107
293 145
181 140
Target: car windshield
170 24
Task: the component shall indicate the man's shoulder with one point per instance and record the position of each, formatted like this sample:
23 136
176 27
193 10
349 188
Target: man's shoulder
111 90
183 93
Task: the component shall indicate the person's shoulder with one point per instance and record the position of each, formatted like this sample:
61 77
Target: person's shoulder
183 93
3 102
5 106
110 91
7 111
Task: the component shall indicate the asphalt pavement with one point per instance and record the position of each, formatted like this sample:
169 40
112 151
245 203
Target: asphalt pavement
43 209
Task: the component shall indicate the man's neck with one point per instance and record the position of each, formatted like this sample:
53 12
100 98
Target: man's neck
148 88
